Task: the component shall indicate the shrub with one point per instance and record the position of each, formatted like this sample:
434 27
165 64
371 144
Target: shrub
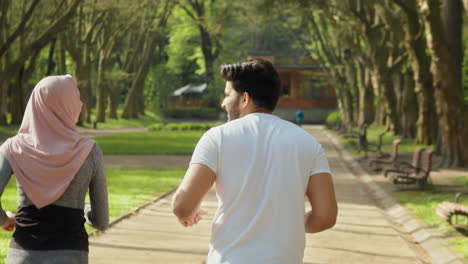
156 127
191 112
183 126
334 120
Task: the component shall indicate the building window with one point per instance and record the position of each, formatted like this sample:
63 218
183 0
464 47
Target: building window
285 84
314 87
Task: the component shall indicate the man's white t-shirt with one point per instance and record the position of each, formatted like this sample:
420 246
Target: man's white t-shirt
262 165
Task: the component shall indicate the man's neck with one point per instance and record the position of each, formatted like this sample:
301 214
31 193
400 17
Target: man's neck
257 110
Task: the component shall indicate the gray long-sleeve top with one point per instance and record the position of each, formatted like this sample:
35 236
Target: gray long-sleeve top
91 175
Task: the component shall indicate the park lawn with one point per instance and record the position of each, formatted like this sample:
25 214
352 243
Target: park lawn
150 143
149 118
423 203
128 188
407 145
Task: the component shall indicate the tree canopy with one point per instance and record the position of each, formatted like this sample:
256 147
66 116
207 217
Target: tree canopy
396 63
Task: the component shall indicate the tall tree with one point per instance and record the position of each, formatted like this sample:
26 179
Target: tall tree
448 87
29 38
210 16
420 61
154 26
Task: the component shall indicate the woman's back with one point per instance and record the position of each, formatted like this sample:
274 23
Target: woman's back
59 226
54 167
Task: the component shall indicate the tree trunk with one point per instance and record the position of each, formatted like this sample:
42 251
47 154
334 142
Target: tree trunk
82 79
18 102
352 91
19 96
366 97
62 57
409 106
135 94
113 102
453 22
387 95
448 91
50 61
427 124
207 48
3 101
101 93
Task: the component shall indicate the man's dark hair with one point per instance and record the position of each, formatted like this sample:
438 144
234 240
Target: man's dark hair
257 77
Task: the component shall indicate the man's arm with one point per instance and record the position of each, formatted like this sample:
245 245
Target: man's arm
187 199
321 195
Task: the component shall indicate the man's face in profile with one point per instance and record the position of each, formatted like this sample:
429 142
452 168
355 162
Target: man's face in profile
231 101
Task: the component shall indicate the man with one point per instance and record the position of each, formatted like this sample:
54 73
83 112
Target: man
263 168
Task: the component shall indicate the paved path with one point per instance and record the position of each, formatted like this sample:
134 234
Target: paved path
363 233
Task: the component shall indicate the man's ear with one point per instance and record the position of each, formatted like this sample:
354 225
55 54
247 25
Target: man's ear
246 99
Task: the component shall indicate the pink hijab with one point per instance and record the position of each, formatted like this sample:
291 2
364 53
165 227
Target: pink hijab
47 152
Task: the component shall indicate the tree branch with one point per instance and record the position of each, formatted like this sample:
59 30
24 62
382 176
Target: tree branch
19 29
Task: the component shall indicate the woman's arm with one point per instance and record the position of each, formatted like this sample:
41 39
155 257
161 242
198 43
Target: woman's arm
98 214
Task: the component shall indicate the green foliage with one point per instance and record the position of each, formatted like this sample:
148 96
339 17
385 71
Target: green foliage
150 143
8 131
9 203
156 127
150 117
129 188
334 120
183 126
407 145
466 95
191 112
423 204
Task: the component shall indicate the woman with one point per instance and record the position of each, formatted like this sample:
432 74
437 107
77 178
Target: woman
54 167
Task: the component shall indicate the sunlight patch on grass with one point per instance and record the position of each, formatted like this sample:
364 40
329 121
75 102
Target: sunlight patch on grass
145 120
407 145
128 188
150 143
423 204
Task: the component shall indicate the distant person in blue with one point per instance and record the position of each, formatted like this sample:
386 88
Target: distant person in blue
299 117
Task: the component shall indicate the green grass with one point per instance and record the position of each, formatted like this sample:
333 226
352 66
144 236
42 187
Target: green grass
128 188
423 204
9 203
466 96
407 145
8 131
145 120
150 143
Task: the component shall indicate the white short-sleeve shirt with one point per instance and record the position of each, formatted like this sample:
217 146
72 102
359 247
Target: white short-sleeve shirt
262 165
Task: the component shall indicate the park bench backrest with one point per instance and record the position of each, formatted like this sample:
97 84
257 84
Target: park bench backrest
426 164
415 162
395 144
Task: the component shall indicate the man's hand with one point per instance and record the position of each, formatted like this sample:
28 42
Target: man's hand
10 223
188 197
194 219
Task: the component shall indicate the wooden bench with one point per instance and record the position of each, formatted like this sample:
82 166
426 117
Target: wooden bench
363 143
452 211
377 164
366 146
405 167
405 178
